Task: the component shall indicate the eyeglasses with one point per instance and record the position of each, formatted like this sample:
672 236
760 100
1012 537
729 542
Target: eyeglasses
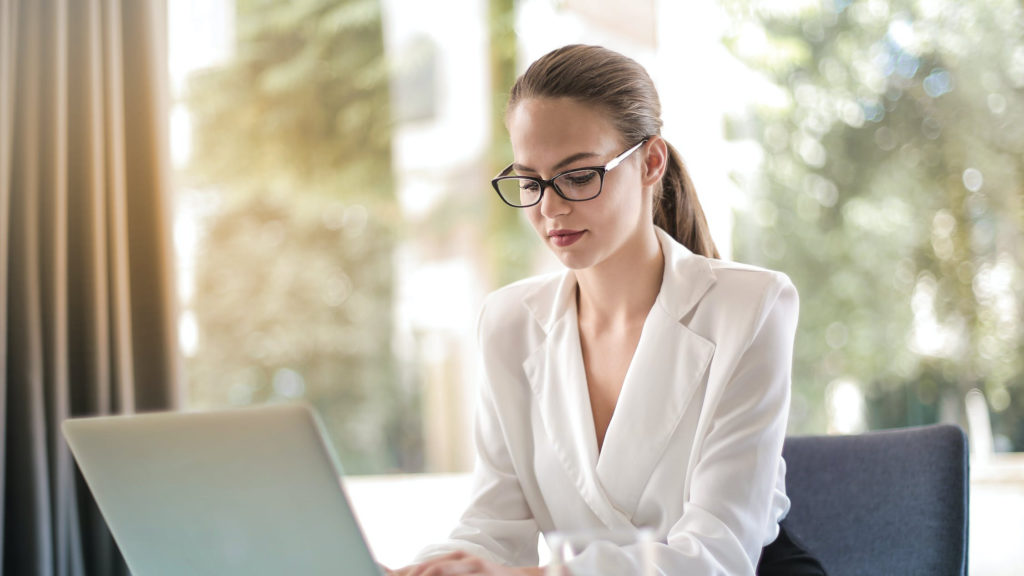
576 185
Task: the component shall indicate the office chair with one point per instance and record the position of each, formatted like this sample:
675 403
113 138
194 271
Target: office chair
889 503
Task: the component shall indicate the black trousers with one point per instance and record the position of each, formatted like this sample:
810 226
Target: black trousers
787 556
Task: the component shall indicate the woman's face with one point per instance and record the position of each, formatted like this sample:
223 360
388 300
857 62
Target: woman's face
550 136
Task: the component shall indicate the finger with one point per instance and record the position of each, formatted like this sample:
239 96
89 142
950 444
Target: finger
464 567
433 567
461 566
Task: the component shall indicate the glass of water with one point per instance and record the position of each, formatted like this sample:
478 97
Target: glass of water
596 553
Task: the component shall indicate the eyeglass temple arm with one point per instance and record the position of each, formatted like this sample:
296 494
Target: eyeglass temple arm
618 159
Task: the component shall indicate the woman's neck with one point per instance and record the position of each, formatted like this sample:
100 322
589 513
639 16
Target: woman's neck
623 288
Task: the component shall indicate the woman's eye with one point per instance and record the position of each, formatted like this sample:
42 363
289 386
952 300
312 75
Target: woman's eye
528 185
580 179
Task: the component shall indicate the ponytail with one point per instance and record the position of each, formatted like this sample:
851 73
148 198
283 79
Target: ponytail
677 209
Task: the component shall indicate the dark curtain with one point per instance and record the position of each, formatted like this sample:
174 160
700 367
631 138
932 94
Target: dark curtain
87 322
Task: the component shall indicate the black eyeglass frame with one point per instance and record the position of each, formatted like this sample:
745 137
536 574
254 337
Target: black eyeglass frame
601 171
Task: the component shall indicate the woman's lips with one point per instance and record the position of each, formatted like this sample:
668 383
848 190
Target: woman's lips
563 238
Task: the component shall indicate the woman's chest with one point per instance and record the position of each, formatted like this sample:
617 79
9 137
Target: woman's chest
606 357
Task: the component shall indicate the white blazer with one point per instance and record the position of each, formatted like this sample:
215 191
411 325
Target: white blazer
693 449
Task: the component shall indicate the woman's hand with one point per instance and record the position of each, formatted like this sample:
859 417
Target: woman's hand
463 564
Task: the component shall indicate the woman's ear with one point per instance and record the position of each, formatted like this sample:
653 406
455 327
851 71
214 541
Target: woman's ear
655 161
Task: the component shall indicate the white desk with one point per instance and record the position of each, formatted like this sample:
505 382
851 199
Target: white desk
402 514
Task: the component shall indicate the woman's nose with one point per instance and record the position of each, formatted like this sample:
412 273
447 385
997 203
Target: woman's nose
552 204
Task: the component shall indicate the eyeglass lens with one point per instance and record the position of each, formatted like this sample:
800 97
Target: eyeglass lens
576 185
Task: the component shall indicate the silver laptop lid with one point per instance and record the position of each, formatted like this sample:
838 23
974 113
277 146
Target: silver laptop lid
243 492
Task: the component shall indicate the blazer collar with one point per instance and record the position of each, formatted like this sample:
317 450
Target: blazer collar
686 278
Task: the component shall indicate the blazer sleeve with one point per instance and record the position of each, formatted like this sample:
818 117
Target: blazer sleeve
498 524
731 508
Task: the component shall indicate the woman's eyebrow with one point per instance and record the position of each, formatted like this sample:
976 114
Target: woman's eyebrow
574 158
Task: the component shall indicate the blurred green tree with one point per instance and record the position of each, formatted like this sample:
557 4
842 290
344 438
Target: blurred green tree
892 192
292 139
511 243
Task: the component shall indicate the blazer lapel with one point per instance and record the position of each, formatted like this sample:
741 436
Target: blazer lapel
667 370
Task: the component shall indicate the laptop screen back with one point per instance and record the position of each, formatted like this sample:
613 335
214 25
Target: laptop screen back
250 491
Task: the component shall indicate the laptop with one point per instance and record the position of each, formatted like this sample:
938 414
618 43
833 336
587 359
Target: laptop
251 491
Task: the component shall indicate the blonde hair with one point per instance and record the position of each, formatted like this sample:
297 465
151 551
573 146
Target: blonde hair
600 77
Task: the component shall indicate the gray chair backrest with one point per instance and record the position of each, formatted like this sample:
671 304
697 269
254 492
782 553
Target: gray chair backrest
881 503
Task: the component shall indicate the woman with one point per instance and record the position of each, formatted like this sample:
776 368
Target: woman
648 384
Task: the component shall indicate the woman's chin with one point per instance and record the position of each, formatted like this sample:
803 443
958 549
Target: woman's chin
572 260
